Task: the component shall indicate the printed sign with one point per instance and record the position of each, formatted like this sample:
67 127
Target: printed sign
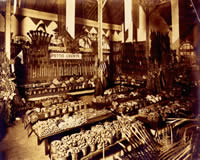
54 55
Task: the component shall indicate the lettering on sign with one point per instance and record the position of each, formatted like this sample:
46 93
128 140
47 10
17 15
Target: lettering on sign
54 55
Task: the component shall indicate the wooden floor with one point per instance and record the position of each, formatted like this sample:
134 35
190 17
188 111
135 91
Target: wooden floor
16 145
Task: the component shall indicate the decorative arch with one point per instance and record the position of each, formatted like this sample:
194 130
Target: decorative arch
186 49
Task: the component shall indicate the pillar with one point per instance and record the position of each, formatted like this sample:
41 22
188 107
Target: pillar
128 25
70 17
61 4
100 50
142 25
175 25
8 29
122 35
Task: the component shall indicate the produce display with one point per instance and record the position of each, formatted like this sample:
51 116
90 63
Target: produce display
48 101
153 99
175 108
55 125
7 89
127 102
90 140
56 86
116 93
118 89
59 115
51 126
135 100
128 80
128 106
52 110
107 100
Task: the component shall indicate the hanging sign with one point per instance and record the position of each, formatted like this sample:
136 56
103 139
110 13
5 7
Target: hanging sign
54 55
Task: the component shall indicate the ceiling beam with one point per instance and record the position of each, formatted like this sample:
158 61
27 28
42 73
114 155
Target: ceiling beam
54 17
37 14
92 23
163 2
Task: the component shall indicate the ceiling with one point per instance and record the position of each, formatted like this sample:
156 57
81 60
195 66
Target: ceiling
187 15
113 11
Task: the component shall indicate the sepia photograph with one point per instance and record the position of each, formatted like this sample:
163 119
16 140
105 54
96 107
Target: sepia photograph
99 79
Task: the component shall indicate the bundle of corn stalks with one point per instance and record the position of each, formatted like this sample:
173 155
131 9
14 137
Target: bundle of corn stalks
179 139
143 146
185 149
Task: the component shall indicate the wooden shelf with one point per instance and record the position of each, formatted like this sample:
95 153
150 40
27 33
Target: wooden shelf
58 94
89 91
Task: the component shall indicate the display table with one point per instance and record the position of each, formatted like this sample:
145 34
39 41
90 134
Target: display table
88 122
47 138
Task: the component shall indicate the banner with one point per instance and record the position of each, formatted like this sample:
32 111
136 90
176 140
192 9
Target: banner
70 17
54 55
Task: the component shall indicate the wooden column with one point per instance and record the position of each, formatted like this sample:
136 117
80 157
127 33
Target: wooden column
100 50
61 17
70 17
122 33
147 34
175 24
142 25
128 4
8 29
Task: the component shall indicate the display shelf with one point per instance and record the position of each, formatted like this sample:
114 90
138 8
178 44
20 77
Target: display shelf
101 141
47 139
55 112
157 115
83 92
131 104
34 93
88 122
38 98
59 94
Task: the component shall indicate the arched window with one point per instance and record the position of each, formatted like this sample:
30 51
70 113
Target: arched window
187 52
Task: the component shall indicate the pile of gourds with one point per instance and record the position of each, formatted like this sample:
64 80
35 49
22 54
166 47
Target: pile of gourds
44 128
88 141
